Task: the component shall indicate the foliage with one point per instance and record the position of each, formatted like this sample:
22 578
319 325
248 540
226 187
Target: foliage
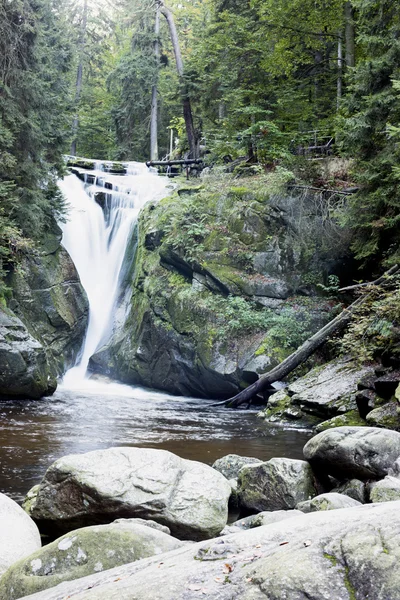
375 327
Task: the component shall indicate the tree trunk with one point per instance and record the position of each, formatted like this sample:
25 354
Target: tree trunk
340 71
301 354
187 108
350 35
79 76
154 95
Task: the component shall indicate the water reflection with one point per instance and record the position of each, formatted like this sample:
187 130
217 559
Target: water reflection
35 433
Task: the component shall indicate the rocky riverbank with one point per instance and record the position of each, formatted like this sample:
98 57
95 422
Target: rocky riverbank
312 525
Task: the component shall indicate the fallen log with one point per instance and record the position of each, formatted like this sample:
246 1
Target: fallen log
305 351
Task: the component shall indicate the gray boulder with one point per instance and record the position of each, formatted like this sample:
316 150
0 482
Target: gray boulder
79 490
359 452
230 465
331 501
24 370
278 484
387 416
84 552
351 554
19 534
386 490
354 488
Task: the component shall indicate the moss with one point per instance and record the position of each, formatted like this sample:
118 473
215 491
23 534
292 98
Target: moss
349 586
349 419
331 558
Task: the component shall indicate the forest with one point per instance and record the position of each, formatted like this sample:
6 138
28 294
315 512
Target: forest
264 80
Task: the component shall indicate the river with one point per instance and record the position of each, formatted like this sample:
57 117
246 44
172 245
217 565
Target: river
35 433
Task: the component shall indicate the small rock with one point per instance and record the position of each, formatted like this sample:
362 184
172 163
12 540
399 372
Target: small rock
386 490
230 465
331 501
354 488
365 400
277 484
265 518
386 384
387 416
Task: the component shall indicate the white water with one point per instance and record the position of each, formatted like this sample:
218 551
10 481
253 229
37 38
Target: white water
97 240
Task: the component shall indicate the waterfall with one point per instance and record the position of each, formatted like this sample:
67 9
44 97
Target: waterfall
97 237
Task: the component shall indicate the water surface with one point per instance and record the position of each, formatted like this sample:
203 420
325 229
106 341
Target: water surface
35 433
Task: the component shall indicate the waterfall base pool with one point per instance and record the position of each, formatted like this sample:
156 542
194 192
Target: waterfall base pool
35 433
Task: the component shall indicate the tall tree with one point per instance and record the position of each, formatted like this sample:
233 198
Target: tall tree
79 75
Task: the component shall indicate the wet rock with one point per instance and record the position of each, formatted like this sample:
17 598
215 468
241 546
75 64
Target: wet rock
387 416
188 497
84 552
230 465
330 555
278 484
353 452
24 369
329 501
19 534
386 490
153 239
354 488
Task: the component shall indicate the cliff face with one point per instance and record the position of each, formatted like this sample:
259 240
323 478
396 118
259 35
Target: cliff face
224 287
48 309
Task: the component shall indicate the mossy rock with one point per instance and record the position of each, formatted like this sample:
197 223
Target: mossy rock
350 419
387 416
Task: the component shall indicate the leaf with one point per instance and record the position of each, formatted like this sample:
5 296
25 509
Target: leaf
228 568
283 543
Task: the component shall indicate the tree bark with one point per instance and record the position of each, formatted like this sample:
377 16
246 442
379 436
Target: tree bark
79 77
340 71
187 107
154 94
301 354
350 35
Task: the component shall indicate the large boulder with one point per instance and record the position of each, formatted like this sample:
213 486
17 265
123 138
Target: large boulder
230 465
278 484
359 452
349 554
79 490
24 369
84 552
19 534
331 501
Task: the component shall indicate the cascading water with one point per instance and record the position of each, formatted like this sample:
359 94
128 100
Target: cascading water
97 238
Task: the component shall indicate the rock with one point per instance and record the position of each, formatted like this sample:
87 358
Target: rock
280 483
19 534
359 452
386 384
330 501
351 554
50 300
351 418
280 410
187 496
24 369
354 488
387 416
145 523
386 490
365 400
328 390
265 518
230 465
84 552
